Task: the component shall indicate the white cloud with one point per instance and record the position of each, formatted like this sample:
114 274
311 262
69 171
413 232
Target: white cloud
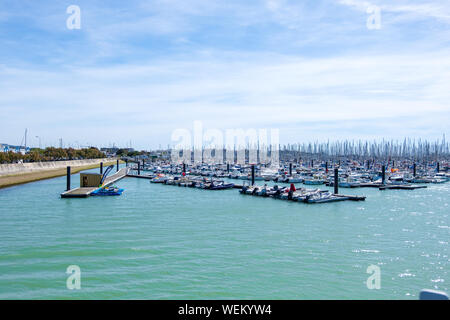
439 9
257 91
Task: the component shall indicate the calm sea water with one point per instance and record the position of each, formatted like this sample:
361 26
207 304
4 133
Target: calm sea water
167 242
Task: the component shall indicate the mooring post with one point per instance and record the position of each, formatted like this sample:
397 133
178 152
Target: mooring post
312 163
68 179
184 168
253 174
383 174
126 163
437 168
368 164
414 169
139 168
228 167
290 169
336 180
326 167
101 167
117 165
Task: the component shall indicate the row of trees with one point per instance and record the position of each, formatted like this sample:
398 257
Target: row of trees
127 153
51 154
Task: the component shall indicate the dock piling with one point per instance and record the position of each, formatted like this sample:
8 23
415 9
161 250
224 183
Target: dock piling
139 168
414 169
336 180
228 167
290 169
184 168
68 179
253 174
326 167
383 174
101 167
117 165
437 168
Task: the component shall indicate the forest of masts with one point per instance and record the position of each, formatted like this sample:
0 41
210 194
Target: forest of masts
384 149
408 149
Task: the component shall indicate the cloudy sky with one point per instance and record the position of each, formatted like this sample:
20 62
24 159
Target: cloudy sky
138 70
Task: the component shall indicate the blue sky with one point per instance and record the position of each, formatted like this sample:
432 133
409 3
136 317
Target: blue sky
137 70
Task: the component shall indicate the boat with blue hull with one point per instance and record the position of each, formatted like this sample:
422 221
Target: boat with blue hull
108 191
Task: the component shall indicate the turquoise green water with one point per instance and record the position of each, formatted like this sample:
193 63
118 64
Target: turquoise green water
167 242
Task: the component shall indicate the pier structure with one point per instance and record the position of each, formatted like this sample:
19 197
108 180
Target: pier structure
83 192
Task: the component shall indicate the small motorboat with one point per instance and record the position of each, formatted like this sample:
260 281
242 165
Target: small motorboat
293 179
315 181
159 179
108 191
221 186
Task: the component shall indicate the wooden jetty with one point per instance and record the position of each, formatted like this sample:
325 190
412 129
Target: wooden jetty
83 192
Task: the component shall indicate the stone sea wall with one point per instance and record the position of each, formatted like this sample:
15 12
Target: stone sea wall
16 168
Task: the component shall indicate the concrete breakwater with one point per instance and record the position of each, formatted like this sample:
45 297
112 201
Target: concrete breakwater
14 174
19 168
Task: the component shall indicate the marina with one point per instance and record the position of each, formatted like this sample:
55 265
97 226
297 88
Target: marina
351 175
301 195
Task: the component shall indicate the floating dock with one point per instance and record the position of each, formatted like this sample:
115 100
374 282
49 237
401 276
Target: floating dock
335 198
401 187
140 176
332 198
86 192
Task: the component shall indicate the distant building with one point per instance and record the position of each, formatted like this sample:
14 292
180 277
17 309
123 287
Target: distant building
4 147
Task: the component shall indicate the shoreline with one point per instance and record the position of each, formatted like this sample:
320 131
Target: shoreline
15 179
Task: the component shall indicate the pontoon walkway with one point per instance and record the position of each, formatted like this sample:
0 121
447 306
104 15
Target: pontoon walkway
86 192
